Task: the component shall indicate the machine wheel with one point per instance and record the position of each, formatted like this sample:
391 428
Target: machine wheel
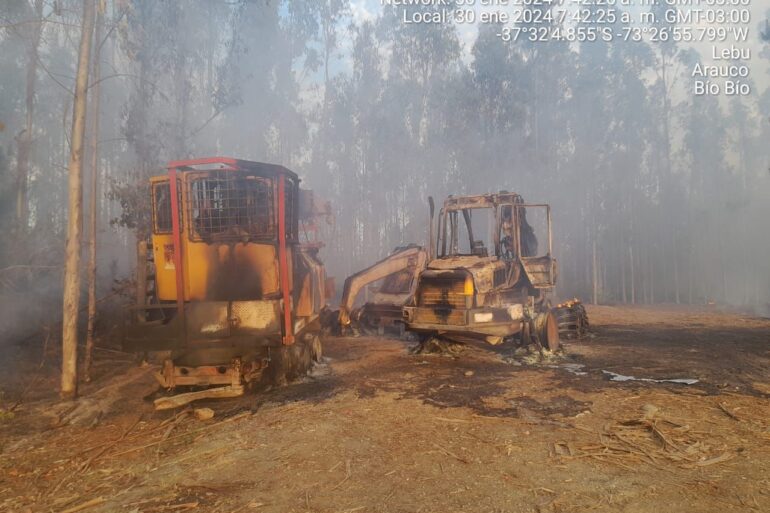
547 331
291 362
525 335
436 344
572 319
313 342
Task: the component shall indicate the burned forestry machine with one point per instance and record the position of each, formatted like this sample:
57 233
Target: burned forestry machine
398 274
229 295
485 278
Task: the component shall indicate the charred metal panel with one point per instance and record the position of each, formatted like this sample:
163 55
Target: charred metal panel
440 316
310 296
255 316
541 271
208 319
481 200
235 271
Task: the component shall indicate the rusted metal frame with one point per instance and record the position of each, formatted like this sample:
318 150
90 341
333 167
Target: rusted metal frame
442 230
496 232
283 263
177 242
469 226
548 220
431 211
154 209
454 205
552 277
176 164
230 185
516 219
481 201
550 234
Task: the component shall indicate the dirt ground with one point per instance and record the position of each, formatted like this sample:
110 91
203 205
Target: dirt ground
375 429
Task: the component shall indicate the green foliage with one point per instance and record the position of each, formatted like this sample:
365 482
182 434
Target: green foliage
135 205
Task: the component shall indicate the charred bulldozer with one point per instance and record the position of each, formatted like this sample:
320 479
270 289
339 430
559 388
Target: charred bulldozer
229 295
488 277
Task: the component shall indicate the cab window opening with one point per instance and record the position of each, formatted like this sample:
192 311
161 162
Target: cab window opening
230 205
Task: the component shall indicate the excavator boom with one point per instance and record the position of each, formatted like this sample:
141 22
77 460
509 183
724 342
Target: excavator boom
409 260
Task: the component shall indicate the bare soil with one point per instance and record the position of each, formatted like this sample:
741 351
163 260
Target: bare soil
375 429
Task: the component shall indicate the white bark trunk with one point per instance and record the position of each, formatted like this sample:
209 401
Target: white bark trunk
595 277
71 298
24 140
93 210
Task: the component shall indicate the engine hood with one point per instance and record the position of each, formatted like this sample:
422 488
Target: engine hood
482 269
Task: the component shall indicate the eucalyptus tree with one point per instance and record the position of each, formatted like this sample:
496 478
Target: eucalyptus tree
412 121
71 302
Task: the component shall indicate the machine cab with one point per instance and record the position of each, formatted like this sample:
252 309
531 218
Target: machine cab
495 227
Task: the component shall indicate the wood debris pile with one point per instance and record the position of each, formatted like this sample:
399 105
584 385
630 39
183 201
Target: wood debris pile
650 439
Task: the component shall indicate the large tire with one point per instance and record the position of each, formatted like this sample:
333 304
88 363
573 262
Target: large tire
314 345
547 331
291 362
277 368
572 320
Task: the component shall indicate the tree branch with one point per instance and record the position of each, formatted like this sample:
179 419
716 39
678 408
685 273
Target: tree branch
117 75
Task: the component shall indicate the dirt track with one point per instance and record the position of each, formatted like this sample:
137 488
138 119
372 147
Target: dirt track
379 430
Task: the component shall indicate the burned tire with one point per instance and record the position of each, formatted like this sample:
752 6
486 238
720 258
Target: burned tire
314 346
547 331
277 368
435 344
288 363
572 320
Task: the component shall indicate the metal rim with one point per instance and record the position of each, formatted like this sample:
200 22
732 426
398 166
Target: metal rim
551 333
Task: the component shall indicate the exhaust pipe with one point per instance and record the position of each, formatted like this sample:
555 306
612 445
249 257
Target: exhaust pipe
431 252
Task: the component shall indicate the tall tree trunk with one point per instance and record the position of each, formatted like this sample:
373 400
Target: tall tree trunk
69 372
594 271
651 262
623 273
588 261
24 140
631 266
690 267
644 278
96 88
676 267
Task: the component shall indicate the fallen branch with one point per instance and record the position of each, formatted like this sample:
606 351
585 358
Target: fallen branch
109 446
173 507
137 435
210 426
450 453
728 412
171 426
636 448
718 459
347 475
85 505
444 419
659 434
